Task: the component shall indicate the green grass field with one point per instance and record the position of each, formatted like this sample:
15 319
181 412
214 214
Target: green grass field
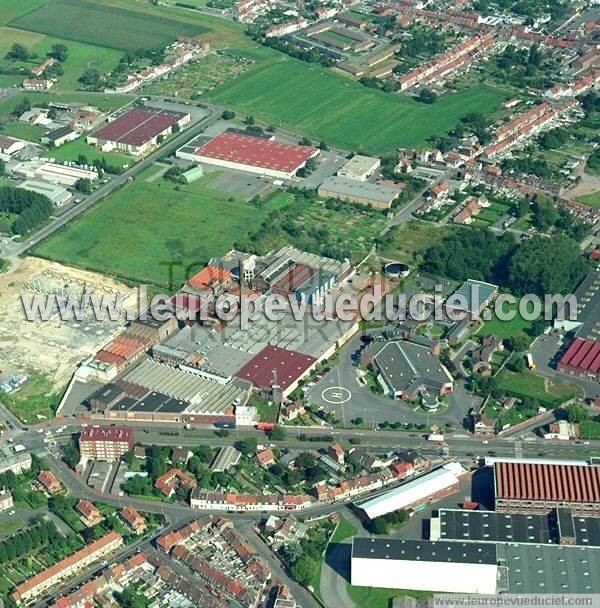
11 9
103 25
22 130
505 329
99 100
71 151
342 112
527 384
138 231
593 200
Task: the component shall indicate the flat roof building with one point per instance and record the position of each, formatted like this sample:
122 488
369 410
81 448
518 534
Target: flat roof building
244 152
359 167
449 567
65 175
355 191
57 194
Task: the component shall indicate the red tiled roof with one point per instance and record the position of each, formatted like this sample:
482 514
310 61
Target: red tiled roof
286 365
209 275
256 151
552 482
137 126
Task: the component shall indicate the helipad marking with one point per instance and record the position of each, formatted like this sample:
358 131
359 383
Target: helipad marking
336 395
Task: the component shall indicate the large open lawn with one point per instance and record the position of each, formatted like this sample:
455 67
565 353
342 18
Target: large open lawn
319 103
140 230
71 151
593 200
99 24
99 100
549 392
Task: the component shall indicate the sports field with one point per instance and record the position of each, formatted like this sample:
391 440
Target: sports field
100 24
319 103
138 231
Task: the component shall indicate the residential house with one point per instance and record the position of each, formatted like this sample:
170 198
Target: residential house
88 513
265 459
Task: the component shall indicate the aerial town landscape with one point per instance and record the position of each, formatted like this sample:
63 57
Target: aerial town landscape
299 302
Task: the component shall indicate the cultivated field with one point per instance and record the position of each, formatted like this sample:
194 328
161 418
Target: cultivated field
103 25
136 233
324 105
11 9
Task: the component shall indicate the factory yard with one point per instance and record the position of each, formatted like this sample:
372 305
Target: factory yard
47 351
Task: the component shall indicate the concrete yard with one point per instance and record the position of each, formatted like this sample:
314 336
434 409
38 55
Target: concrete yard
53 348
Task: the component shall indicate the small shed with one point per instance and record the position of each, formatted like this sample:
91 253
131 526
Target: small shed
192 175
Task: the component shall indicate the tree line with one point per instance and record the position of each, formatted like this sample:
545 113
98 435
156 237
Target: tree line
31 208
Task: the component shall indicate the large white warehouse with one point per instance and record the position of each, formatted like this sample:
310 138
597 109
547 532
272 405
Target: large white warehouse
428 487
449 567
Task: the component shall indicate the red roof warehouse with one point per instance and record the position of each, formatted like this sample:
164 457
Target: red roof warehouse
582 359
274 365
137 129
255 154
540 487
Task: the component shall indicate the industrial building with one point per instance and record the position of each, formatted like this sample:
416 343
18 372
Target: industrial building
407 369
138 130
276 369
248 152
559 527
536 487
359 168
65 175
581 360
157 392
449 567
424 489
355 191
59 136
10 145
57 194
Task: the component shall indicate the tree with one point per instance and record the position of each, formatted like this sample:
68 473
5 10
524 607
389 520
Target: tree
304 569
277 434
18 52
59 52
517 364
545 214
518 343
248 446
2 167
227 114
546 266
577 413
380 526
128 457
84 185
91 78
427 96
23 106
71 454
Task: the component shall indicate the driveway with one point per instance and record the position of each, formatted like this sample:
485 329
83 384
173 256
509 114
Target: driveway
340 391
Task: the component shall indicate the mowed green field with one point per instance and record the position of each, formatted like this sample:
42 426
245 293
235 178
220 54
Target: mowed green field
316 102
99 100
135 233
104 25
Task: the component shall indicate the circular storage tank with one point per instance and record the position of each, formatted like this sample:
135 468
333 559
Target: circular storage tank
395 270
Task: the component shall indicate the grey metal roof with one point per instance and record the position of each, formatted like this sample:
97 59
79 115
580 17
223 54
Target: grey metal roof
204 395
550 568
406 365
352 187
424 550
477 295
